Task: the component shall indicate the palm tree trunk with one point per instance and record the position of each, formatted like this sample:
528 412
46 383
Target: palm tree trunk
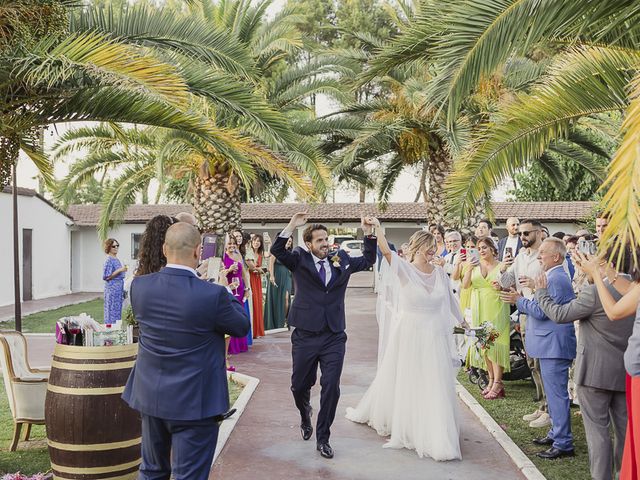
439 167
363 193
216 202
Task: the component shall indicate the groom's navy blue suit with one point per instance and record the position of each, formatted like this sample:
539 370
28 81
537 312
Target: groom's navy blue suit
317 313
179 381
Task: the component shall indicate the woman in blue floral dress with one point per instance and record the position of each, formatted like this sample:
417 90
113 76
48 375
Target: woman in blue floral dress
113 275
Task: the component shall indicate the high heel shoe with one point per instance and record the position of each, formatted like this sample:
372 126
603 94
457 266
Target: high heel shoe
493 394
488 389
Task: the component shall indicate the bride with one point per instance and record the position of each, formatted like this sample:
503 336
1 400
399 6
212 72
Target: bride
413 397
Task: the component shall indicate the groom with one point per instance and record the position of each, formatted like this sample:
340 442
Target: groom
317 313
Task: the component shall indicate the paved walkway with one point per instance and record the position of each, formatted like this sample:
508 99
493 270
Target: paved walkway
44 304
266 441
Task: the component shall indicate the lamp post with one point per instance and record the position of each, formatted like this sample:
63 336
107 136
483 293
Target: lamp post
16 251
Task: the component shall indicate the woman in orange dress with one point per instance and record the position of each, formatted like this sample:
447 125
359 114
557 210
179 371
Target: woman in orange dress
254 261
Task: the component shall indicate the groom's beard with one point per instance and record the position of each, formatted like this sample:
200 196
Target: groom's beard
321 253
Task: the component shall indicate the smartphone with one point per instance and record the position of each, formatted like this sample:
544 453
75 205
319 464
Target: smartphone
508 251
588 247
474 255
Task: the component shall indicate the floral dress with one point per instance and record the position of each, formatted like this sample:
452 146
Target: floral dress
113 290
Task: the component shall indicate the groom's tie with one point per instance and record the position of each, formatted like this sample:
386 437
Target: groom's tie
322 272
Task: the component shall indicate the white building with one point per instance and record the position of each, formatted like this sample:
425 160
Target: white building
44 238
67 255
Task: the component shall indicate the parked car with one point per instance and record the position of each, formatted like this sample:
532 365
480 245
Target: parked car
352 247
336 240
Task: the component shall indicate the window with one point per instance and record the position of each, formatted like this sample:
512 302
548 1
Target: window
135 245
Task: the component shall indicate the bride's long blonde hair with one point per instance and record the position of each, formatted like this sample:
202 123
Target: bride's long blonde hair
418 240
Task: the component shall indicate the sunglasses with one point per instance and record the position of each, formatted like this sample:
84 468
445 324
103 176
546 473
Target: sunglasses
115 246
526 234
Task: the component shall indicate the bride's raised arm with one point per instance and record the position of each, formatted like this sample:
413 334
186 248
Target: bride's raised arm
383 245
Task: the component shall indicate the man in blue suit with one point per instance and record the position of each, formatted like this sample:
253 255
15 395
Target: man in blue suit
179 381
554 344
317 313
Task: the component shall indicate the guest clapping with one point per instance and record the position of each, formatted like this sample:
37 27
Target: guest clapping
554 345
618 310
599 371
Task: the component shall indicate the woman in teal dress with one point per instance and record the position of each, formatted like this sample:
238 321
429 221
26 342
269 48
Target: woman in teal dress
486 306
278 293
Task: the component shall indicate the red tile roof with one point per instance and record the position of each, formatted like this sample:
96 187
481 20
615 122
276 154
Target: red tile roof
347 212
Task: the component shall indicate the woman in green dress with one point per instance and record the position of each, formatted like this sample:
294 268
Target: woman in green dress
278 293
486 306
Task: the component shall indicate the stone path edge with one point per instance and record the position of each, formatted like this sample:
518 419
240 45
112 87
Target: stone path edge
526 466
250 385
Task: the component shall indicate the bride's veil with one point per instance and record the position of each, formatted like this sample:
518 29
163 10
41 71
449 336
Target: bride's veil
387 305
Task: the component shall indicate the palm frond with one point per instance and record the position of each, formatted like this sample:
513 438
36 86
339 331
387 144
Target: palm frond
190 36
582 82
622 186
95 55
121 194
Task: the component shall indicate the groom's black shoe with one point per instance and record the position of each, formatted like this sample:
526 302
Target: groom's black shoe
305 426
325 450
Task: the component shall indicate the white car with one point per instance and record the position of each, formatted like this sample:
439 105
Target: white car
352 247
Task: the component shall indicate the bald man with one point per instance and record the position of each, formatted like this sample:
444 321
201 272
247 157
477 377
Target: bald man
179 381
187 217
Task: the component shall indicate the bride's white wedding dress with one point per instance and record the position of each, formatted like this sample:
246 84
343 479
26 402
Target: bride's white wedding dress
413 397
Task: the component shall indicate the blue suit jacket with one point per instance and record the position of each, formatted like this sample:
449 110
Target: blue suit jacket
316 306
545 338
180 372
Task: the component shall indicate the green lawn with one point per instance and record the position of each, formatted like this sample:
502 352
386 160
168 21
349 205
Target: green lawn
45 322
508 414
32 457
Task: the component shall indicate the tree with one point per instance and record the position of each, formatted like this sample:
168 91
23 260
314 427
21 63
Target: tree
266 161
597 71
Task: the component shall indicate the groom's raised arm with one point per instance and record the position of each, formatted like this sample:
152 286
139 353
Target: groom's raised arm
288 258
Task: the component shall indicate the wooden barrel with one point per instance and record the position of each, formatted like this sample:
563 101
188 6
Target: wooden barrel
91 432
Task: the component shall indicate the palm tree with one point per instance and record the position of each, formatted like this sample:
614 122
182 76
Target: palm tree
143 155
595 73
278 100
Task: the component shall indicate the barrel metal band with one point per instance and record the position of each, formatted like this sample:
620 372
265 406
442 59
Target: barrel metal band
127 476
101 355
92 447
92 366
95 470
85 391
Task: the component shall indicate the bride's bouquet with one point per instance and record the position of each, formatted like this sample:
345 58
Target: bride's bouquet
485 336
